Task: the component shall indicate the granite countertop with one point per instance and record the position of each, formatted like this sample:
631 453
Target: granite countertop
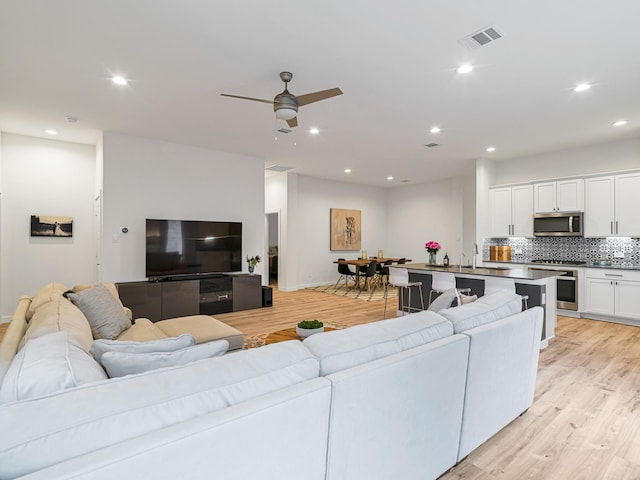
556 265
521 273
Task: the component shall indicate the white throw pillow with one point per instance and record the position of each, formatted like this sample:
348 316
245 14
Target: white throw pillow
447 299
119 364
48 364
101 346
104 312
486 309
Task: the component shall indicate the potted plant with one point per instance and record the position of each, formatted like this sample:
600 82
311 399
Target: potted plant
253 261
309 327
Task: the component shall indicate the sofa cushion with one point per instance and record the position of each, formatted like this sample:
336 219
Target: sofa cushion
104 312
13 335
119 364
91 417
143 330
44 295
341 349
59 315
448 298
172 344
48 364
204 328
486 309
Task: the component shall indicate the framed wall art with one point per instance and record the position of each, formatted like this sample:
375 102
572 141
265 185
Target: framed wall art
51 226
346 229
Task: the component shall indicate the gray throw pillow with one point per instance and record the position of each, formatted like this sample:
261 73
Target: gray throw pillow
447 299
170 344
118 364
104 312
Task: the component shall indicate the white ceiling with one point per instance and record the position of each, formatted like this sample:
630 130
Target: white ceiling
395 63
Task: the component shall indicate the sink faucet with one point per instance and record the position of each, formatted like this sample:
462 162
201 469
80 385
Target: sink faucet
461 262
475 253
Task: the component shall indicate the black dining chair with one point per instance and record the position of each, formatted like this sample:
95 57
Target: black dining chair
402 260
383 273
370 273
345 272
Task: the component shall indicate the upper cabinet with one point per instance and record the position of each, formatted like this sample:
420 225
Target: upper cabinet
611 206
512 211
559 196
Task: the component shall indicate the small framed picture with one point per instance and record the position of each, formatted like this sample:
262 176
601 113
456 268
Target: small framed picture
51 226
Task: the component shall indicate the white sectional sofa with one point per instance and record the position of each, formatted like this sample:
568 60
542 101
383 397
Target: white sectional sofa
401 398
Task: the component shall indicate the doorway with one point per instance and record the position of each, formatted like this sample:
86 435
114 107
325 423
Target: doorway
273 247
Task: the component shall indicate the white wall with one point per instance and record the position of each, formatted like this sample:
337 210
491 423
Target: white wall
146 178
315 199
429 211
45 177
599 158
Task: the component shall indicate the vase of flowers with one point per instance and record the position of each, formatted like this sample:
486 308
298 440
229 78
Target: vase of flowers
432 247
253 261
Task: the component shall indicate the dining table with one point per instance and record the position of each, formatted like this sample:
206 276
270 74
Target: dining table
363 262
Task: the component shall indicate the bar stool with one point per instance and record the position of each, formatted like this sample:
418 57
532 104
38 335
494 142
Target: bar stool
492 285
440 282
399 277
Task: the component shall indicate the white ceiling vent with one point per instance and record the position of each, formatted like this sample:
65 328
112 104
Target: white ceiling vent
482 37
431 145
284 130
278 168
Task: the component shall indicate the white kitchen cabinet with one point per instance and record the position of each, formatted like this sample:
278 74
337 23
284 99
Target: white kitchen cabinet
559 196
512 211
613 293
611 206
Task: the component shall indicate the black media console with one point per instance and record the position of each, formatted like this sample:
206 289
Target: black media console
195 295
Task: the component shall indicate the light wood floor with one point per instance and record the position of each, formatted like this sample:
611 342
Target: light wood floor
585 420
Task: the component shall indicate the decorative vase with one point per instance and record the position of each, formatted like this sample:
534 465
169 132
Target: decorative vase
432 258
306 332
251 269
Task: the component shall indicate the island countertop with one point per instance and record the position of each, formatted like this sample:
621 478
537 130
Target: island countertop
503 272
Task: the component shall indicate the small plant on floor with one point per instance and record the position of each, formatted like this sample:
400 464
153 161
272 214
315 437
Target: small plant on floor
310 324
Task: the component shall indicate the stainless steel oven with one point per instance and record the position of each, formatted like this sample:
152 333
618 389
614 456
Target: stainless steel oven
567 288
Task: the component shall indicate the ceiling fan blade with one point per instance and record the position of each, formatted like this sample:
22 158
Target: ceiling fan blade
293 122
317 96
247 98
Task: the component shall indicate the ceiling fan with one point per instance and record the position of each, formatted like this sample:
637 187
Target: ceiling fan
286 104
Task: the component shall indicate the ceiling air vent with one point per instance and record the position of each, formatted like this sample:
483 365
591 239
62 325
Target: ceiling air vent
278 168
431 145
482 37
284 130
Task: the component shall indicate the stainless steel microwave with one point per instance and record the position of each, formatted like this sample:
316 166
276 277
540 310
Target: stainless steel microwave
561 224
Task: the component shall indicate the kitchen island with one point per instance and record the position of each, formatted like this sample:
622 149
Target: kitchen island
538 285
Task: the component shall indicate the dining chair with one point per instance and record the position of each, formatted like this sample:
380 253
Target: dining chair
383 272
345 272
370 273
399 277
402 261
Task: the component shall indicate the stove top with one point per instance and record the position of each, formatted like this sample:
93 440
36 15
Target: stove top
560 262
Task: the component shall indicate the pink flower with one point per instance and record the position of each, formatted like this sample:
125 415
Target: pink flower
432 247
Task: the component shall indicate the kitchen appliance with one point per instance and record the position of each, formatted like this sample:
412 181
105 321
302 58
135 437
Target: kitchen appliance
566 283
561 224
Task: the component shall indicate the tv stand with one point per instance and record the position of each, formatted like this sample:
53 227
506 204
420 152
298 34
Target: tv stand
208 294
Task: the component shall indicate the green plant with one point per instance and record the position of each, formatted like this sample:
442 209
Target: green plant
310 324
253 261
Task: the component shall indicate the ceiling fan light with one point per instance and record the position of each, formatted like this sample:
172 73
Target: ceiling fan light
286 113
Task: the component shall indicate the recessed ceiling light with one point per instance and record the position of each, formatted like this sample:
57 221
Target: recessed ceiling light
491 149
50 131
582 87
435 130
347 170
119 80
466 68
314 131
619 123
389 178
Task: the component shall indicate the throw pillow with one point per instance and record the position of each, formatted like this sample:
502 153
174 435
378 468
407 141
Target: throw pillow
464 299
103 311
48 364
119 364
101 346
448 298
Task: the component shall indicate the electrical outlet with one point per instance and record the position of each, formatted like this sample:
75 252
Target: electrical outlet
618 255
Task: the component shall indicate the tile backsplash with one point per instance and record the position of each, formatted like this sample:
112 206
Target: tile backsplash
570 248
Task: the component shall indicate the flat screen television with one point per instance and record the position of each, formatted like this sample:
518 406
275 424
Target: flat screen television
187 247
